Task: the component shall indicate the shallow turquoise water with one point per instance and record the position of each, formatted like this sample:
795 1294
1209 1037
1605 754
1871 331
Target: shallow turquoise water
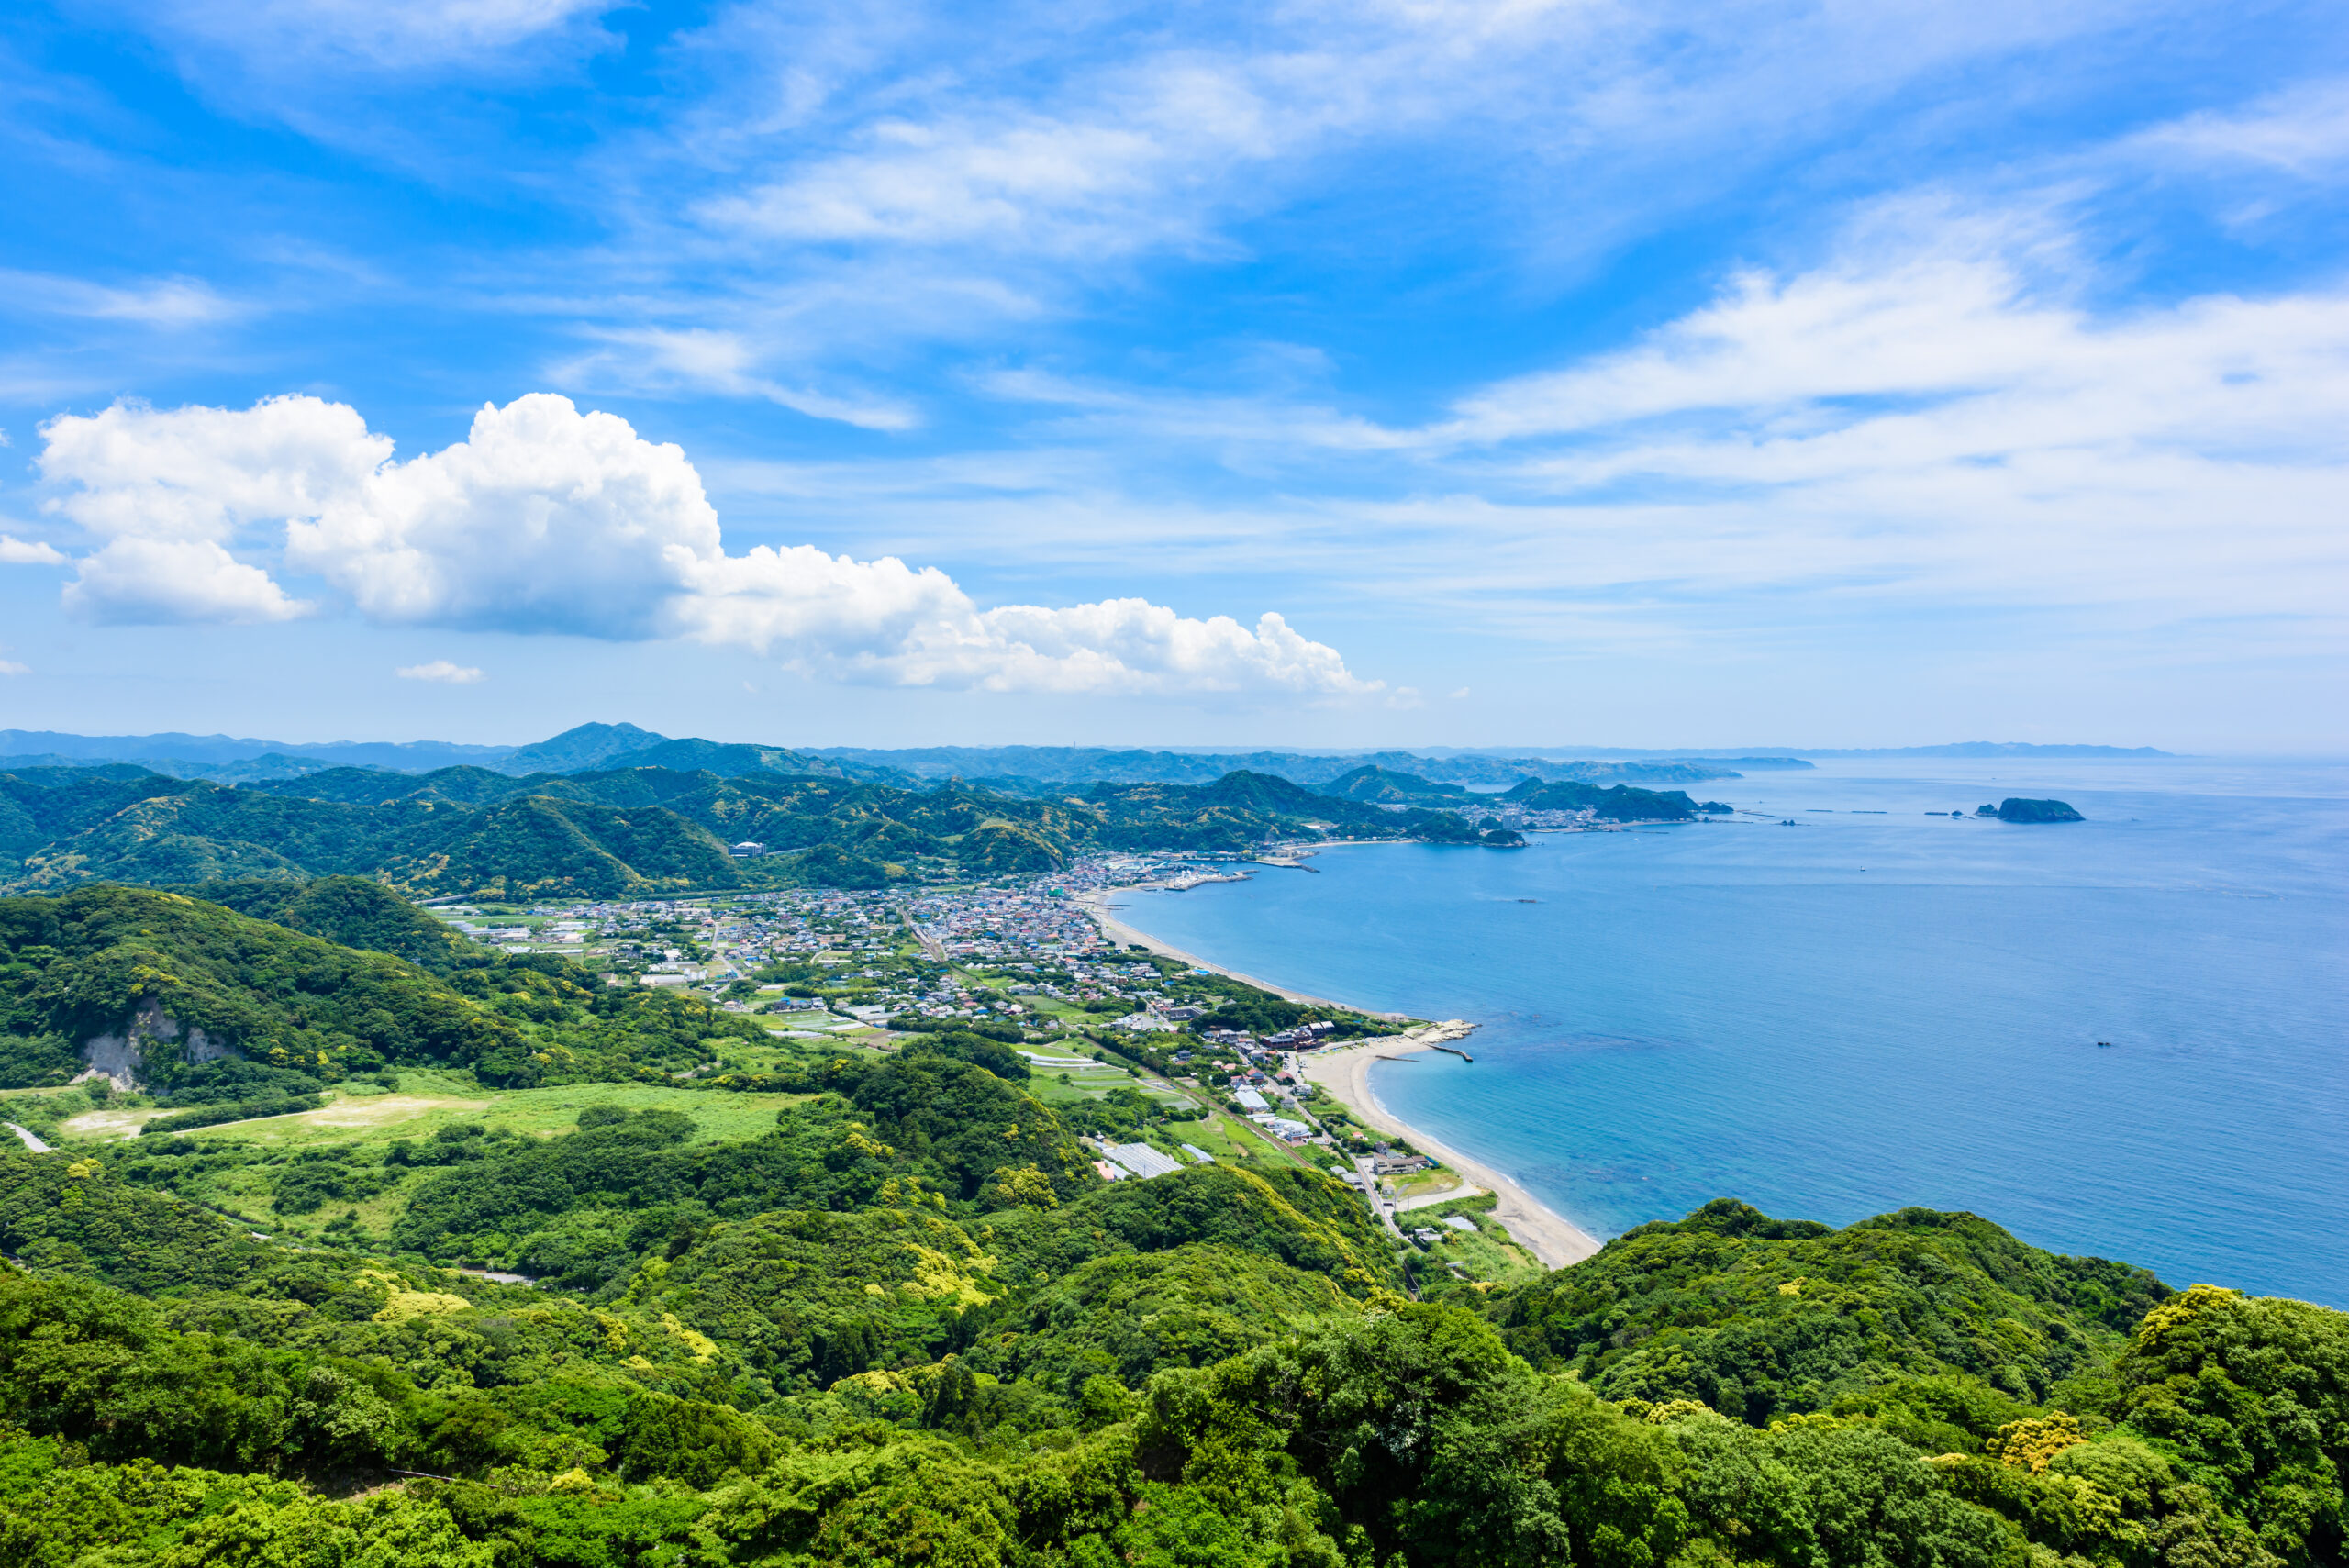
1866 1011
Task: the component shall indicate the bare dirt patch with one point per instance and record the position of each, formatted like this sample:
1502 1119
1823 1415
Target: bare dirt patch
377 1110
109 1124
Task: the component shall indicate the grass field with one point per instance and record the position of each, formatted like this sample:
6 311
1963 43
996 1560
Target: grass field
1237 1143
1488 1253
1089 1082
1426 1184
427 1101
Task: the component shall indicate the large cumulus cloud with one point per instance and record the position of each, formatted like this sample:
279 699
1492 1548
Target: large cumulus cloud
546 519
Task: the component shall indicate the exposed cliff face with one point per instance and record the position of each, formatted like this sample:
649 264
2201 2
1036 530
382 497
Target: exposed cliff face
120 1057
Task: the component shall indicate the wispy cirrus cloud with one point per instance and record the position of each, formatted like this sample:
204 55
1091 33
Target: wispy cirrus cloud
2302 130
649 360
1933 412
273 35
859 184
168 304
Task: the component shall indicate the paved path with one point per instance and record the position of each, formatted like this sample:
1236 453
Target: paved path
35 1144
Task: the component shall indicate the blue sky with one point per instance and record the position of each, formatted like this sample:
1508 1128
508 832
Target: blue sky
1314 374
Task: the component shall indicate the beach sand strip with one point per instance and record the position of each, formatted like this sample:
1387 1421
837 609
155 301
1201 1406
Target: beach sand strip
1343 1072
1097 906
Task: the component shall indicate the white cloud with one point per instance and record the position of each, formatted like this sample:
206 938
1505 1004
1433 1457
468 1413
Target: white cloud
168 582
1029 181
665 360
1934 419
168 303
883 620
167 494
442 670
10 667
16 551
545 519
205 474
383 33
2303 130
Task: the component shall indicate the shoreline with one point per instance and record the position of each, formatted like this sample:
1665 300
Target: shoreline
1097 906
1343 1072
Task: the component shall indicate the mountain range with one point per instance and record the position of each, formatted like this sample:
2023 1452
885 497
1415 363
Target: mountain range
646 831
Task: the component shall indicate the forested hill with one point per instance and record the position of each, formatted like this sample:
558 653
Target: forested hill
627 832
1617 802
224 1013
907 1325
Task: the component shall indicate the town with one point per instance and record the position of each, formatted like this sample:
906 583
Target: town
1025 959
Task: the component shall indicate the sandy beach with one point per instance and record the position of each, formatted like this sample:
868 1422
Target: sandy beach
1097 905
1343 1072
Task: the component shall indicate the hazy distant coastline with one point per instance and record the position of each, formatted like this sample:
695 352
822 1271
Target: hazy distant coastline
231 759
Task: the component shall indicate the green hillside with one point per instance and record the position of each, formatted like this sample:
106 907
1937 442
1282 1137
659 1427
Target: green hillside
635 831
1761 1318
351 910
835 1344
723 759
583 746
1385 785
214 1009
1616 803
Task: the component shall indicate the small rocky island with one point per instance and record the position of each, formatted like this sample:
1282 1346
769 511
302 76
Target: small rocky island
2013 810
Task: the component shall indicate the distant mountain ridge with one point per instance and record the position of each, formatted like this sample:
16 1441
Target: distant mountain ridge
1995 748
1008 766
18 746
640 831
1012 769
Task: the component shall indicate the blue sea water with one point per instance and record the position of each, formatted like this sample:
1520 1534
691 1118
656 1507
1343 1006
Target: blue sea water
1866 1011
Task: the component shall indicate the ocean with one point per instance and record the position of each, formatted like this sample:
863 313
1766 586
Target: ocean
2124 1037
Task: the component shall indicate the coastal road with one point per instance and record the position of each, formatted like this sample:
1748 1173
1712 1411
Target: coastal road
1366 1168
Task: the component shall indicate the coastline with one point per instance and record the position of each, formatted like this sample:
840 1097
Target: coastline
1343 1072
1097 906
